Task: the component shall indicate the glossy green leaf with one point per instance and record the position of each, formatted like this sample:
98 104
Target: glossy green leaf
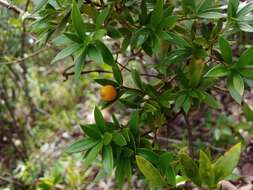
134 123
92 154
157 14
211 101
248 112
244 26
246 58
168 22
104 82
99 119
107 55
117 74
189 7
217 71
94 54
123 170
180 101
136 78
92 131
189 168
206 170
66 52
211 15
73 37
77 20
225 164
233 91
226 50
107 159
102 16
245 10
79 63
119 139
107 138
81 145
148 154
238 84
152 175
247 72
232 8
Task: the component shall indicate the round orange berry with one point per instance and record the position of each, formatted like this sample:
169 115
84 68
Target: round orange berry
108 93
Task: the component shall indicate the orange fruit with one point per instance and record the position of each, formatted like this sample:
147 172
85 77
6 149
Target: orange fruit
108 93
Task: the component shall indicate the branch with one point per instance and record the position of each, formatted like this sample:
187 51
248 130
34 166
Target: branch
18 61
17 10
66 75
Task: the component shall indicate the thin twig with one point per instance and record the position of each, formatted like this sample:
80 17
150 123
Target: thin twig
17 10
18 61
66 75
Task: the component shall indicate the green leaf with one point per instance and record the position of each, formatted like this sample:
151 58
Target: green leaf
187 104
94 54
134 123
247 72
108 159
39 5
117 74
180 101
168 22
66 52
217 71
149 155
165 166
245 10
119 139
81 145
79 63
248 112
123 170
238 84
73 37
157 14
77 20
244 26
206 170
104 82
211 15
92 131
174 39
226 50
233 91
99 119
211 101
107 55
99 34
189 168
225 164
246 58
204 5
232 8
92 154
107 138
102 16
136 78
152 175
189 7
